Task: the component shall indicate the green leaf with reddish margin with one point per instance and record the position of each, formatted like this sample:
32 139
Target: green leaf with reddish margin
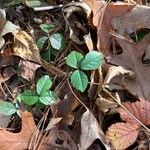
79 80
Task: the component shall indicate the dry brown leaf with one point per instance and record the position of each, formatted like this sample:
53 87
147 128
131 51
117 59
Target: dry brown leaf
25 47
90 131
137 18
112 77
18 141
53 138
27 69
122 135
131 59
102 15
140 110
105 104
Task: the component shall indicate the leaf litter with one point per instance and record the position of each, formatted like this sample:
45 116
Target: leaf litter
78 120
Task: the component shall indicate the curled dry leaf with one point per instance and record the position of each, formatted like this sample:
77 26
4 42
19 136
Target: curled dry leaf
139 109
105 104
18 141
78 29
6 27
27 69
122 135
113 72
90 131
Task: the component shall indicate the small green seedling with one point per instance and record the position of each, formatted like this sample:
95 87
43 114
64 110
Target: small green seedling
56 41
76 60
42 94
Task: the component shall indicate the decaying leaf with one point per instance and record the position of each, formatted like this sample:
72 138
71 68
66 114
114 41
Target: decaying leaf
18 141
131 59
52 123
137 18
119 133
78 28
90 131
105 104
59 140
26 48
140 109
122 135
113 72
6 27
27 69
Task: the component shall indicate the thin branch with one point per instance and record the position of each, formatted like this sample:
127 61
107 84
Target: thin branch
47 7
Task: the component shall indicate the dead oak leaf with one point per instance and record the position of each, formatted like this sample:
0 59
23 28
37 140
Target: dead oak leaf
27 69
139 109
122 135
90 131
131 59
18 141
25 47
103 14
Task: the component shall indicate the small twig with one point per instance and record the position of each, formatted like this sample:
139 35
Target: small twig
52 69
126 109
9 91
47 7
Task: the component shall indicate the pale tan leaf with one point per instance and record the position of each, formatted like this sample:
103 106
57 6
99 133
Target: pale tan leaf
122 135
25 47
90 131
52 123
105 104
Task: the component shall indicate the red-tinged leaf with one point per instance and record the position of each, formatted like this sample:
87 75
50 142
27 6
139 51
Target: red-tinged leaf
122 135
140 110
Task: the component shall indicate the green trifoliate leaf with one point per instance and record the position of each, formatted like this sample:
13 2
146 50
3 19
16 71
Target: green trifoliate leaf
48 98
41 41
43 84
7 108
92 61
57 41
28 97
79 80
47 27
74 59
